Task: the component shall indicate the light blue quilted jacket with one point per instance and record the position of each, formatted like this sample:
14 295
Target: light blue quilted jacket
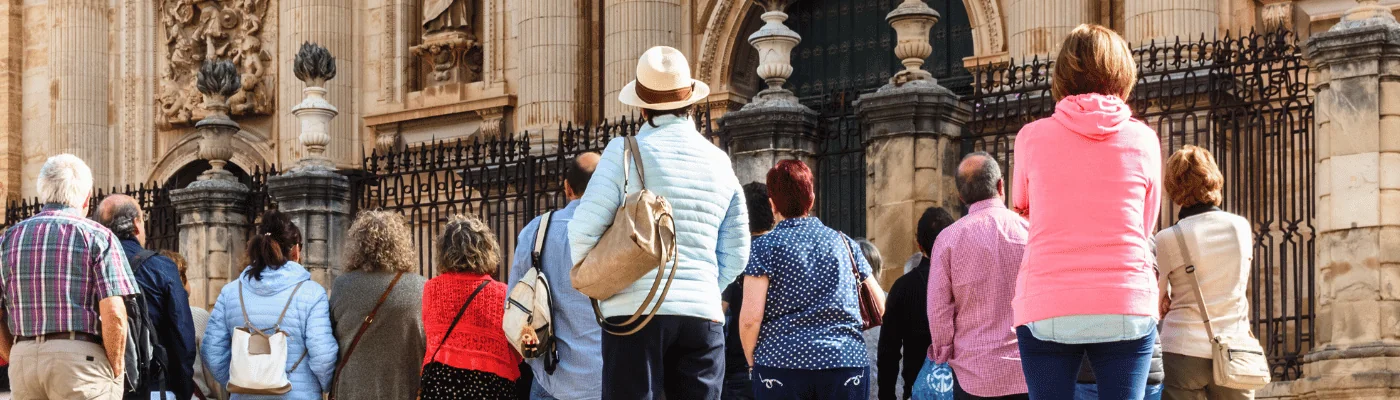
712 222
308 327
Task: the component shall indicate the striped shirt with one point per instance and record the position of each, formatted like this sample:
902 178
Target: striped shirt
54 269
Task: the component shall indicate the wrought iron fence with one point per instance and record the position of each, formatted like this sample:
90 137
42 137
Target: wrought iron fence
506 181
840 161
1246 100
161 220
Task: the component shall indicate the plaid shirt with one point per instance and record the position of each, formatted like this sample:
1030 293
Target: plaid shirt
55 268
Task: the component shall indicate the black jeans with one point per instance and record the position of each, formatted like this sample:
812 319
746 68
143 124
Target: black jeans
673 357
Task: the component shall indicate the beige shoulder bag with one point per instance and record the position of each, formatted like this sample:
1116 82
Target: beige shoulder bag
1236 362
641 239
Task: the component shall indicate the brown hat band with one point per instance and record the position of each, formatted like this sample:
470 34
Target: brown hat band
663 96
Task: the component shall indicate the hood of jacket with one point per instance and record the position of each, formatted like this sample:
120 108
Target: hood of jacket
275 280
1094 116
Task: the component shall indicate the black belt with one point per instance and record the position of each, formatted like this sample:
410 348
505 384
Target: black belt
81 336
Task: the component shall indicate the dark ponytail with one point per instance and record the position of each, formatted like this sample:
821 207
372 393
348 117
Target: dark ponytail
272 243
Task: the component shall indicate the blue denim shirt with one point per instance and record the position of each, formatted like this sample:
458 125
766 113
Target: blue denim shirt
578 335
811 318
169 308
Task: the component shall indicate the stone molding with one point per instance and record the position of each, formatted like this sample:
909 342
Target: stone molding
758 137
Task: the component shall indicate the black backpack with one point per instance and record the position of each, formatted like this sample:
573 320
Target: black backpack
145 357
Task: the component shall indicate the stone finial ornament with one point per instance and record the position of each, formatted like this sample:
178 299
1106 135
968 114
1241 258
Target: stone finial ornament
314 64
774 42
217 80
912 21
1365 13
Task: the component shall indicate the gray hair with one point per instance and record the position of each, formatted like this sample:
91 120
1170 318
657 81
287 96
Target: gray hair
121 219
872 256
65 179
467 245
977 184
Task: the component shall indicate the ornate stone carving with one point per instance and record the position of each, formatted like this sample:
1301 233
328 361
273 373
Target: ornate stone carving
200 30
455 57
449 42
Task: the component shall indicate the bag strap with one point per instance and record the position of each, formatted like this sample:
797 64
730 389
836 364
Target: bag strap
537 256
247 323
615 328
633 154
136 261
363 327
1191 270
855 266
290 299
457 319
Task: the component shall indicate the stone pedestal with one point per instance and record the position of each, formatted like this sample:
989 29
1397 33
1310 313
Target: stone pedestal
1356 70
760 135
213 235
318 201
911 157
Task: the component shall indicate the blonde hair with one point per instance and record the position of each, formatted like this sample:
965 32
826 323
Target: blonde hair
379 241
1193 177
1094 59
467 245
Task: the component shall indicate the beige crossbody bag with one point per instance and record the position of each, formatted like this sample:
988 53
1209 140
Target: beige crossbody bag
641 239
1236 362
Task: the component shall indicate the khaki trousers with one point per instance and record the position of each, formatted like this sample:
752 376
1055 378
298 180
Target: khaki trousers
1189 378
61 369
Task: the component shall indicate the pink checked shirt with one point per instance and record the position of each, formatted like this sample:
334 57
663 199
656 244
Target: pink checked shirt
972 279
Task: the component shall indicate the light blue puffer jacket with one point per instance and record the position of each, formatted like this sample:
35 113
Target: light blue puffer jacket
712 222
308 327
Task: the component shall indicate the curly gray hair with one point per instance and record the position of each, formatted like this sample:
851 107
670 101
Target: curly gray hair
379 241
467 245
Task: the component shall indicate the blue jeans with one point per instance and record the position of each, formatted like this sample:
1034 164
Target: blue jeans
1089 391
824 384
537 392
1052 368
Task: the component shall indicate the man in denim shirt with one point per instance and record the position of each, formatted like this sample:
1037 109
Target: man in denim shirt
166 298
578 337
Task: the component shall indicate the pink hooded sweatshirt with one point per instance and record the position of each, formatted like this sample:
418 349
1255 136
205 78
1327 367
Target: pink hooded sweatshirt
1090 180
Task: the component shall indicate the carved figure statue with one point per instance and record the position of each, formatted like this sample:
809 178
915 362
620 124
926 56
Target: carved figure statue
200 30
448 15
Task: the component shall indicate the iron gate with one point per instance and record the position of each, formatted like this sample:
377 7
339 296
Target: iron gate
506 181
162 222
1246 100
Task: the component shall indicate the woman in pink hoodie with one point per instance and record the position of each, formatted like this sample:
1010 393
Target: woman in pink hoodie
1089 179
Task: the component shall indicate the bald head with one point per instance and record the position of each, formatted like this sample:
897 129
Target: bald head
579 173
122 214
979 178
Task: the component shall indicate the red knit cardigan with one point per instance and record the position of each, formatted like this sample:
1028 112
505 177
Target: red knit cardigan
478 343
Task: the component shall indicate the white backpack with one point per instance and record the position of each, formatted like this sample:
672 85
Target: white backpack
260 356
529 305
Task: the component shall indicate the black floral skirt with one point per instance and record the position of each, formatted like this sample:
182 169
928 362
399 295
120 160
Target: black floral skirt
443 382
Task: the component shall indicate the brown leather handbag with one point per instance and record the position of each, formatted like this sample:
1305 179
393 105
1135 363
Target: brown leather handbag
870 296
641 239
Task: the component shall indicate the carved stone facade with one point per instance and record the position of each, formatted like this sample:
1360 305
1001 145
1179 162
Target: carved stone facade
192 32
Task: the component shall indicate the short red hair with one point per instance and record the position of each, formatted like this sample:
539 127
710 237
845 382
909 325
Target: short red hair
790 188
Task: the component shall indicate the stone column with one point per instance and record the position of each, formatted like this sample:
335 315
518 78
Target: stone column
330 24
1163 21
11 100
1037 27
630 27
315 196
213 235
77 55
1356 72
554 80
912 151
774 126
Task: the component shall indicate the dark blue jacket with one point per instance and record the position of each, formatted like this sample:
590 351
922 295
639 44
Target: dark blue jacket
169 305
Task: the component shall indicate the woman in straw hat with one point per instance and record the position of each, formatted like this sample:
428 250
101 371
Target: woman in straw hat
680 353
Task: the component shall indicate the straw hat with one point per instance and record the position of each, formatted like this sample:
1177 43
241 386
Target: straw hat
663 82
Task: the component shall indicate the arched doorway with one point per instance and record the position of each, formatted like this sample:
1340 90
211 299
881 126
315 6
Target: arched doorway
190 172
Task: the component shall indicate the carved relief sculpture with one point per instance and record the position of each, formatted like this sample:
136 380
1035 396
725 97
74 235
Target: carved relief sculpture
200 30
450 45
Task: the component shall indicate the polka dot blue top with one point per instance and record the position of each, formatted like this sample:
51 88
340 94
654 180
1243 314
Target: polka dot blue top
811 320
